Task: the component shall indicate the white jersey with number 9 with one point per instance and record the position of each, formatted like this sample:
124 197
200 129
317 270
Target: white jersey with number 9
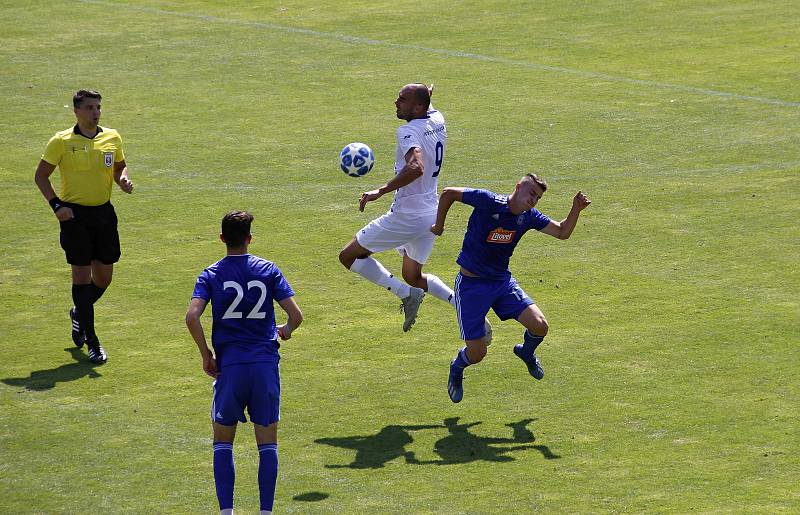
429 134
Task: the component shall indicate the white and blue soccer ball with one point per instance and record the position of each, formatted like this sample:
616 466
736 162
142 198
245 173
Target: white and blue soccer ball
356 159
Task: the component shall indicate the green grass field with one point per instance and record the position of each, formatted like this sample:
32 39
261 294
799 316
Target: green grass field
672 362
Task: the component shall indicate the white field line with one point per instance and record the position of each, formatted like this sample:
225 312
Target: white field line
449 53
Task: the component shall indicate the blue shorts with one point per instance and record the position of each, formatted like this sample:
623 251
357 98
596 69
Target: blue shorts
255 386
474 297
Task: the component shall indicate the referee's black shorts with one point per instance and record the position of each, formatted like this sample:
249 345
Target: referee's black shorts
91 235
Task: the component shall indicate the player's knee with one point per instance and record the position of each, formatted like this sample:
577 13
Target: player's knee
476 351
534 321
413 278
81 276
540 326
345 259
102 282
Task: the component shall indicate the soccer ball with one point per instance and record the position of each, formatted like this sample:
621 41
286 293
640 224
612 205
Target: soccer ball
356 159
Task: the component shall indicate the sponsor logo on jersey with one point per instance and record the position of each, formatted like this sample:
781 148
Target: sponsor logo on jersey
108 157
500 235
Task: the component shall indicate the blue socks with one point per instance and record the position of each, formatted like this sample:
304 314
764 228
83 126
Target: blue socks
267 474
461 361
529 345
224 474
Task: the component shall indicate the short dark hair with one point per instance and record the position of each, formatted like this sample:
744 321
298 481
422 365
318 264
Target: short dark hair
77 99
538 180
422 95
236 228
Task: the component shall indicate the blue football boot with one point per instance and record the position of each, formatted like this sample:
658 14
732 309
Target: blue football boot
455 386
534 365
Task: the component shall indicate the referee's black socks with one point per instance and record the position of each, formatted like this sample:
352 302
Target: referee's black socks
83 297
97 292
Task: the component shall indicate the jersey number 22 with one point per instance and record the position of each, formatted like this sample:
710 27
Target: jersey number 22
254 313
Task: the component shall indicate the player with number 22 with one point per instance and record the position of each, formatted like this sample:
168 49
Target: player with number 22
241 288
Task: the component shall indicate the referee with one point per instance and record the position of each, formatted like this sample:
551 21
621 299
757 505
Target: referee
89 157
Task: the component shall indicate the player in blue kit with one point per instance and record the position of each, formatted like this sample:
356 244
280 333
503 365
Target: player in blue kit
241 288
495 227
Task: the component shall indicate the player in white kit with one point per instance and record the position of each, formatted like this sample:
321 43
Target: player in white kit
421 145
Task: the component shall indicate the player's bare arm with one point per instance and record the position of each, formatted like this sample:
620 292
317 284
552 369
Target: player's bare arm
42 180
196 308
121 177
412 171
563 229
295 318
446 200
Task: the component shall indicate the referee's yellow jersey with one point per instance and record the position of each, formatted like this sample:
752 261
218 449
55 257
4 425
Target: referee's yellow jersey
86 165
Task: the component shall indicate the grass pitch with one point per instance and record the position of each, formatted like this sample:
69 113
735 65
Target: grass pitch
671 365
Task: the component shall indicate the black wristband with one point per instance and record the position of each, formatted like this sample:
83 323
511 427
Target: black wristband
55 203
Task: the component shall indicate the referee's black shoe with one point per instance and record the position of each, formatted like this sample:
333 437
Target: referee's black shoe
78 336
97 354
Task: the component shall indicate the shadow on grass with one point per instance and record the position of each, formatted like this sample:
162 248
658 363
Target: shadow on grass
311 497
374 451
460 446
46 379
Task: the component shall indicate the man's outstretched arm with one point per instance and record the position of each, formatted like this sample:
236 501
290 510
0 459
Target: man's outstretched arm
563 229
446 200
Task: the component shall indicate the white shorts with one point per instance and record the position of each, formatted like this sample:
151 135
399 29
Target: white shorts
410 235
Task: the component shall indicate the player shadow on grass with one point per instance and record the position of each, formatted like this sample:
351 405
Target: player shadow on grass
374 451
47 379
460 446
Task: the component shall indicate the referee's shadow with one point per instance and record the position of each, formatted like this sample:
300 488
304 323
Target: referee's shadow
47 379
458 447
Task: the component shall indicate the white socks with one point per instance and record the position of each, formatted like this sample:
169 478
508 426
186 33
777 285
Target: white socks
371 270
440 290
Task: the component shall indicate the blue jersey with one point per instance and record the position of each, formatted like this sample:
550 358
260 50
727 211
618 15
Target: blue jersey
241 289
493 232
